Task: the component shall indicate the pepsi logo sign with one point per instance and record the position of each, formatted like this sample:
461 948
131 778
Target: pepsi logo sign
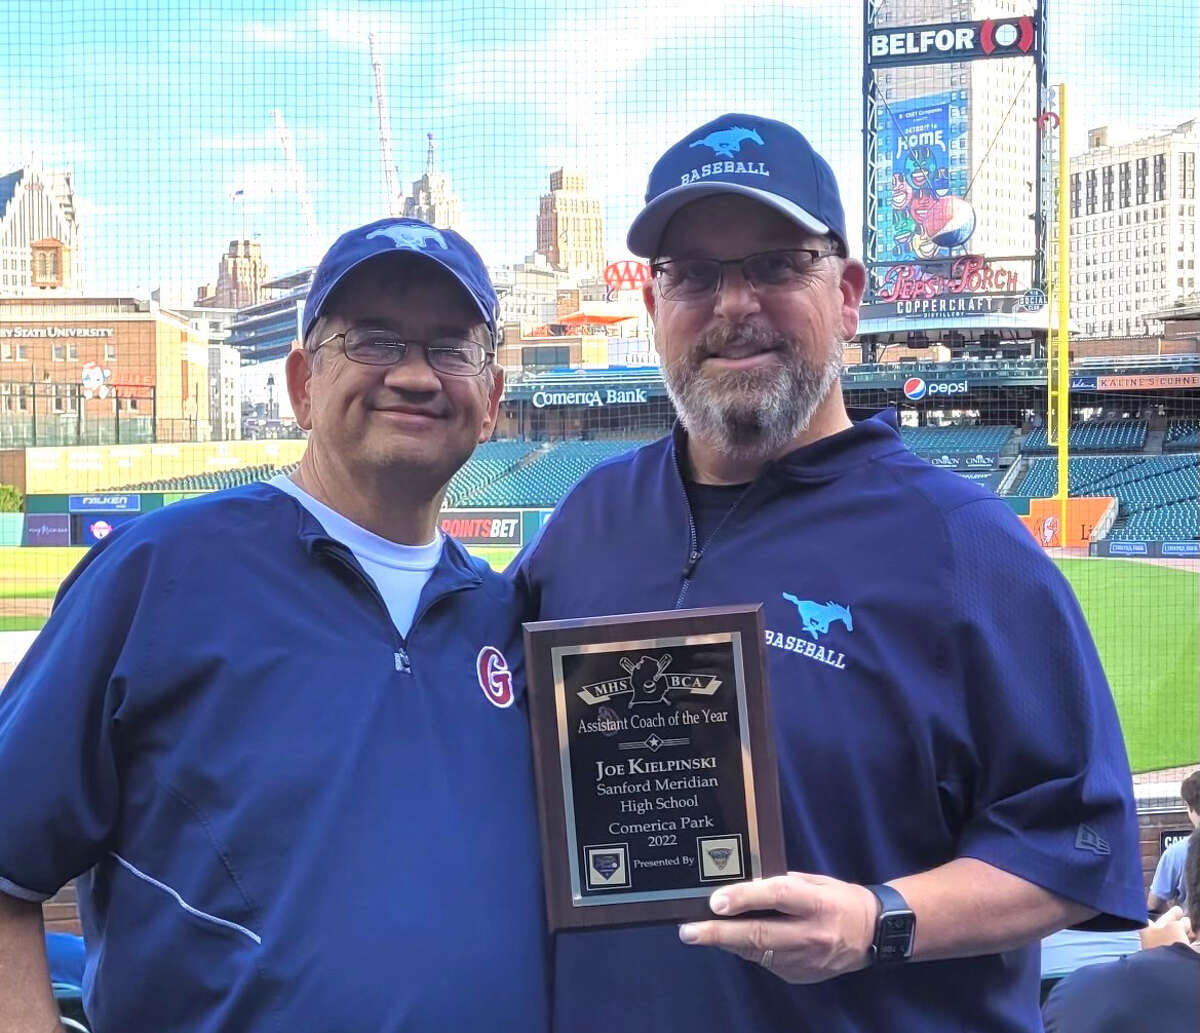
494 677
915 388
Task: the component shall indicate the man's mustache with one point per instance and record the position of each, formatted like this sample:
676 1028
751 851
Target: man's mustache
740 335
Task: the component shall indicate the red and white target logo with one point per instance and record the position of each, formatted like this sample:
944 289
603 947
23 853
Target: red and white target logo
494 676
997 36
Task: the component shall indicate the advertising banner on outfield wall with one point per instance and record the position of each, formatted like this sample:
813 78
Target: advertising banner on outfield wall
91 528
1148 382
978 461
47 529
482 526
104 504
1156 550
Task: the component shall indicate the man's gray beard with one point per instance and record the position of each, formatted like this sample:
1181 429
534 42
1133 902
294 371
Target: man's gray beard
752 413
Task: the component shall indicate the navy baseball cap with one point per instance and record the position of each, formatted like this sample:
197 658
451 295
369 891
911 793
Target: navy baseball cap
756 157
403 236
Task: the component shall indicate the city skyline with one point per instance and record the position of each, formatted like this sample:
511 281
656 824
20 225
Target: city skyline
164 112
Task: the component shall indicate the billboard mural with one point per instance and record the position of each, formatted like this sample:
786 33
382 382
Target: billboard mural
922 178
951 235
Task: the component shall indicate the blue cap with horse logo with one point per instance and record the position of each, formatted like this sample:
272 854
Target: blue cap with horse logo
758 158
412 236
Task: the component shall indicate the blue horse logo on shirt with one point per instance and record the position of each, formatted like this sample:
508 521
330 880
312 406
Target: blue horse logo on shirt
415 237
725 143
817 617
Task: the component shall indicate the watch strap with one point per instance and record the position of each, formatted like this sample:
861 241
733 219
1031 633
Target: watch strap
895 927
889 899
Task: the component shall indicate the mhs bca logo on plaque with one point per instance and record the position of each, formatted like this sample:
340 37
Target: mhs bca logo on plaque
647 680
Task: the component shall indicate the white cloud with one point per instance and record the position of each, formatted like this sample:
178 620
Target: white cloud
259 182
346 26
39 146
350 26
266 139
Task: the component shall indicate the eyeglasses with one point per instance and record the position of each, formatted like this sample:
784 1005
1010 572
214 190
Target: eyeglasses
697 279
454 356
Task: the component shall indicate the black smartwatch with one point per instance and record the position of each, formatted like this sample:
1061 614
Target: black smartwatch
895 928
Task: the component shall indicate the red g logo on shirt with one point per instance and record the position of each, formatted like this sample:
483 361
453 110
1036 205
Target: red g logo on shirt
494 676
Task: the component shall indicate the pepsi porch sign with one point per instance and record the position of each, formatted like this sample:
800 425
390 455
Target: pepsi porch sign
654 761
917 389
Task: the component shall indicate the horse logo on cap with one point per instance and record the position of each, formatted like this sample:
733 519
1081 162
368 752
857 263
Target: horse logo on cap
725 143
415 237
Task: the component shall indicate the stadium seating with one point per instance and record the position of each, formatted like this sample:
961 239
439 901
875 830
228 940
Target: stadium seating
1094 436
215 480
1182 435
550 475
1174 522
1157 495
489 463
956 440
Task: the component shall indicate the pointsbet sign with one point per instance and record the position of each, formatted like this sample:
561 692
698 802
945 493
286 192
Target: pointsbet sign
482 526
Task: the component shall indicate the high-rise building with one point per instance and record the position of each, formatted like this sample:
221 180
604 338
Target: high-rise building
528 291
1133 230
99 370
570 226
432 200
39 232
240 278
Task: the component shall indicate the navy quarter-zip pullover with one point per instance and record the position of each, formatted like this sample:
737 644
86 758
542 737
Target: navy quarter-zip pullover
935 695
286 816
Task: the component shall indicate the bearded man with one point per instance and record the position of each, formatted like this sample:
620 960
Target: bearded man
953 779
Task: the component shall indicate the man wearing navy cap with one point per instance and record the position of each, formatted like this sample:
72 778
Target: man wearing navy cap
278 733
953 778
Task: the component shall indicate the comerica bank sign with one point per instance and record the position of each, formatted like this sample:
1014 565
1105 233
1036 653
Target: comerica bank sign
608 396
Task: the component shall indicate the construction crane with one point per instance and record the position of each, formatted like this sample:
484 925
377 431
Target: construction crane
296 174
390 186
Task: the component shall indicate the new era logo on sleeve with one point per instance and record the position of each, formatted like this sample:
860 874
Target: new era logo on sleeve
1087 838
494 676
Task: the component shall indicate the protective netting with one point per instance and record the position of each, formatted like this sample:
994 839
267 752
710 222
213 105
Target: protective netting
170 172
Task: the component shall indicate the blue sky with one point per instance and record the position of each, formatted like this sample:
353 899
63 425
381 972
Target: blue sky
164 108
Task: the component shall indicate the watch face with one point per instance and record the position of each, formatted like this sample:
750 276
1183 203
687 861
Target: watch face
894 940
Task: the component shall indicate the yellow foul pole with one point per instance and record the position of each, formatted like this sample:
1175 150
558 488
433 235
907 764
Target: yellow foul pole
1063 284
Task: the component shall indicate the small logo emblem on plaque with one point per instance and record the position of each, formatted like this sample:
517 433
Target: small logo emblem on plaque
646 676
607 865
494 676
647 680
720 857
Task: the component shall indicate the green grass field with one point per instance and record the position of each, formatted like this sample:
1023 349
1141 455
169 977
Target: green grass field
1143 617
1144 620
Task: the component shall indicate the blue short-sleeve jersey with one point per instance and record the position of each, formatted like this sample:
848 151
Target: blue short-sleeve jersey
284 815
1168 878
935 695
